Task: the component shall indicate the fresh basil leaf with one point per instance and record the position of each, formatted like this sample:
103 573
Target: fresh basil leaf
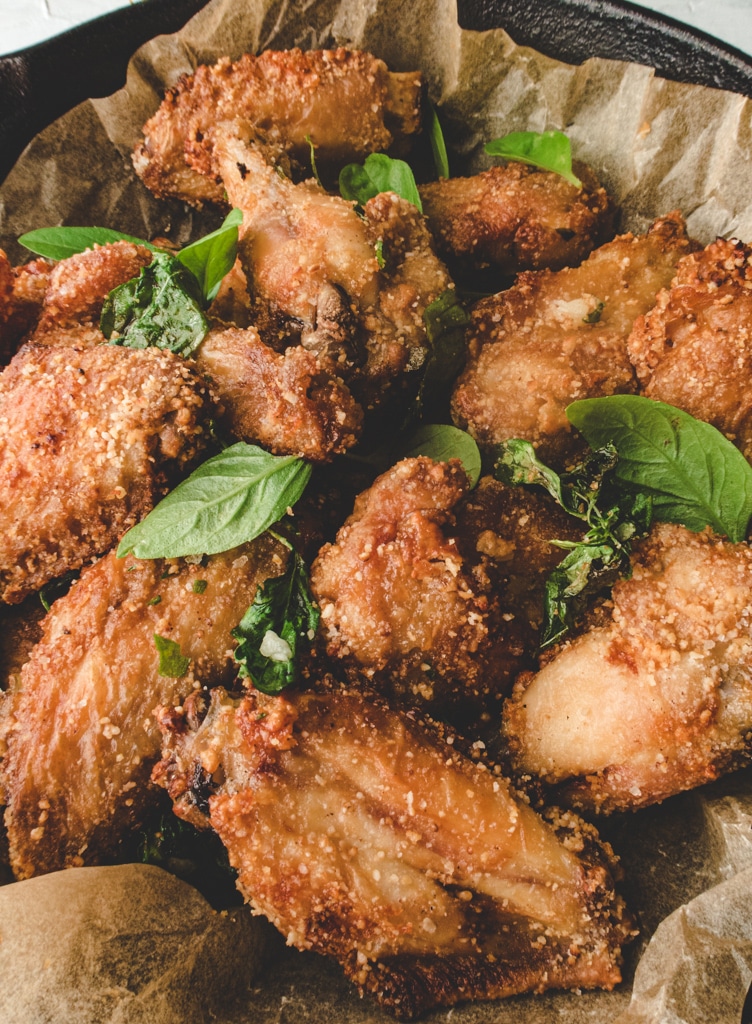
212 257
162 307
171 662
283 615
550 151
61 242
230 499
694 474
438 145
446 324
441 442
379 173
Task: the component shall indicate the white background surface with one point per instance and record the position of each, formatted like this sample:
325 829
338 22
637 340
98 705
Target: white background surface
23 22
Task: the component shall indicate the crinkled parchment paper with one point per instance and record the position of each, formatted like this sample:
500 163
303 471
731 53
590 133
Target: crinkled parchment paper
657 146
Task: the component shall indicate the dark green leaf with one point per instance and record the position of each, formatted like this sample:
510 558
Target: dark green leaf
446 324
282 616
441 442
379 173
551 151
438 145
162 307
212 257
230 499
171 662
61 242
693 473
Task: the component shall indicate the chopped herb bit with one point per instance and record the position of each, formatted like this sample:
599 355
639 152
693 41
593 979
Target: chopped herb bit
51 591
171 662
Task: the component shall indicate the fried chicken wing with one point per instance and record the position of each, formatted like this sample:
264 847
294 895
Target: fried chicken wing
403 607
286 403
89 441
655 701
694 349
556 337
313 268
517 218
81 737
345 101
365 836
22 292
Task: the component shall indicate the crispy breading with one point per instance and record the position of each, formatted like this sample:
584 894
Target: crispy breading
21 296
81 736
313 268
517 218
286 403
556 337
404 608
89 441
345 101
657 700
364 835
694 349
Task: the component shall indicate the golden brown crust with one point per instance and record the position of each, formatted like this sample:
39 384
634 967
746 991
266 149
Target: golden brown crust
659 698
79 727
365 836
346 101
517 218
89 441
556 337
286 403
694 349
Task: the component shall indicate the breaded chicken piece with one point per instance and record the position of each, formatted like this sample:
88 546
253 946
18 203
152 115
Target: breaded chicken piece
694 349
556 337
286 403
78 287
403 608
363 835
517 218
90 440
345 101
313 267
657 700
81 737
22 292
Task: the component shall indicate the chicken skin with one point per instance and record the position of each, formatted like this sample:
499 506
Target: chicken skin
517 218
313 267
403 607
284 402
657 700
346 102
81 737
556 337
364 835
90 440
694 349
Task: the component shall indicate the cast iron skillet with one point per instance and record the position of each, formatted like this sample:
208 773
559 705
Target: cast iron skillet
42 82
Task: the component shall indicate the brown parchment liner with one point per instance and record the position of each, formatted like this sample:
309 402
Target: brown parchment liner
656 145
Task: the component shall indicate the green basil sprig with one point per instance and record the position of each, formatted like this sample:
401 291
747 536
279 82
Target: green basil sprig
550 151
694 475
172 662
161 308
379 173
442 442
230 499
283 615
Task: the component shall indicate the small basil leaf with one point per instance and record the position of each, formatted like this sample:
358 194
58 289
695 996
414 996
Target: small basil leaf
171 662
212 257
551 151
283 615
162 307
59 243
379 173
694 474
446 324
230 499
441 442
438 145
